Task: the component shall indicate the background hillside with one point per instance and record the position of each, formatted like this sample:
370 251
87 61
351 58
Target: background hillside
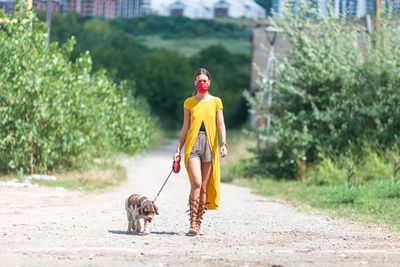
158 56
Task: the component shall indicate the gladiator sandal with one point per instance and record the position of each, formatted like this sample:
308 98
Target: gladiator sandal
193 209
202 209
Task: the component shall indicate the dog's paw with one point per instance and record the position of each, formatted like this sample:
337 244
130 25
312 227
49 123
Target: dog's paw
146 232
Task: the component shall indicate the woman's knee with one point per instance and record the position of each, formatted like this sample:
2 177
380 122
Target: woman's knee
196 184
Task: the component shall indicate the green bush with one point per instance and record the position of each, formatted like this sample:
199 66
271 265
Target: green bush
166 80
342 194
356 169
180 27
331 94
54 113
327 172
389 188
374 167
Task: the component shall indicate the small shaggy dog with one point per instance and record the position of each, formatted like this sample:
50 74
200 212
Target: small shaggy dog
139 207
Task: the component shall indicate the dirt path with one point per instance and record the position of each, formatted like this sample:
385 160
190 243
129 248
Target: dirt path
49 227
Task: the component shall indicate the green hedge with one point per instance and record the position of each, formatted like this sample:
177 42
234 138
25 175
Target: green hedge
54 113
336 90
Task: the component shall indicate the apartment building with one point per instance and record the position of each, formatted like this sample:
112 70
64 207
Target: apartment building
132 8
7 5
55 5
340 7
108 9
207 9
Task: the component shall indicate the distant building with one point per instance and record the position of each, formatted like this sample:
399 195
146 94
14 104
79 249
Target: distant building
7 5
208 9
176 9
132 8
125 8
55 5
108 9
340 7
221 8
93 8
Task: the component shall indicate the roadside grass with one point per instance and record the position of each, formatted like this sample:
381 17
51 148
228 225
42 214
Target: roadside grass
91 177
94 178
361 204
97 178
189 47
372 196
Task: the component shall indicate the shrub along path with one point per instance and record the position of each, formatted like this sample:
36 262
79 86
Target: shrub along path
45 226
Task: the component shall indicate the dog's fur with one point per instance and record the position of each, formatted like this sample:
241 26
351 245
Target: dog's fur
139 207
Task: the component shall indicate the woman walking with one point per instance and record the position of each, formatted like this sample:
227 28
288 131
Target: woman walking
202 115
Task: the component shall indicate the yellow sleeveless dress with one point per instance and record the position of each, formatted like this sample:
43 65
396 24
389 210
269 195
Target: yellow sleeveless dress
199 112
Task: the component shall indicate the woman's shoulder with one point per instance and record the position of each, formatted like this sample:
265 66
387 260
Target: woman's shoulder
217 103
216 99
189 101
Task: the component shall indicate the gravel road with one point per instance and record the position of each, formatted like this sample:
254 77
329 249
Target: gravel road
43 226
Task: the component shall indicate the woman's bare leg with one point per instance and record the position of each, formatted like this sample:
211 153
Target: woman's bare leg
194 166
206 168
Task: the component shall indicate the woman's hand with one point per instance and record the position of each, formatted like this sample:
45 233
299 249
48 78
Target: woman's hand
177 154
224 150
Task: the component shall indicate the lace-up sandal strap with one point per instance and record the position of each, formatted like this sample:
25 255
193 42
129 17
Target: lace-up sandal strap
193 210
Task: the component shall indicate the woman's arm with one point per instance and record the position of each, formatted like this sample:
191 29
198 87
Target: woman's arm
184 131
222 132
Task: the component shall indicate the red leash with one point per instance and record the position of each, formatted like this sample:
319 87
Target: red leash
176 167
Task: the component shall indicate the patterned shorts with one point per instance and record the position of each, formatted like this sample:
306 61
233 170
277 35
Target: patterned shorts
201 149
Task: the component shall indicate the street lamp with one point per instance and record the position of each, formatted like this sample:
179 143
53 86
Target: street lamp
272 33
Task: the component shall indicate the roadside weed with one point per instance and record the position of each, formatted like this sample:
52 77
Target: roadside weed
389 188
342 194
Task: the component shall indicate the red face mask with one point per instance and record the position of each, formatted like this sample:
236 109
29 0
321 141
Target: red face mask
202 87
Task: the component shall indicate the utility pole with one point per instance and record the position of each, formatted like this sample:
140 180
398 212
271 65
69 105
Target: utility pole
48 18
28 5
377 16
49 6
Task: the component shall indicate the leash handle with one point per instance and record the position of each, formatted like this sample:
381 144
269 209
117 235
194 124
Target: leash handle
176 166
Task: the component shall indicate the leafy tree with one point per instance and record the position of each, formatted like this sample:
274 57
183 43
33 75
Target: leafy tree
165 79
64 26
116 51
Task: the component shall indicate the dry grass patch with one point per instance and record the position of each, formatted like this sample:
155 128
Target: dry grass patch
95 178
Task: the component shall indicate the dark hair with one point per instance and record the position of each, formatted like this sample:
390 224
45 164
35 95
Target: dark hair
200 72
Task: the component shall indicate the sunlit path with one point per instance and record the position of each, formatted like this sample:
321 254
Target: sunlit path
45 226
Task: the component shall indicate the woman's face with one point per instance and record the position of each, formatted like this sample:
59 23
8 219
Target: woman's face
202 78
